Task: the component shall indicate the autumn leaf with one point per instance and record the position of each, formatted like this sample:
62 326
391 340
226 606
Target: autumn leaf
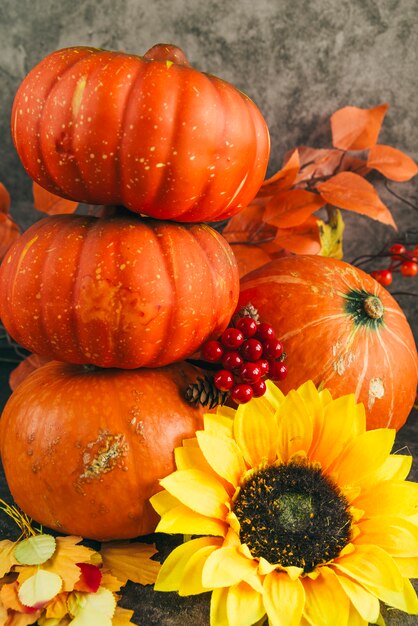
39 588
131 561
249 257
35 550
331 236
291 208
90 579
350 191
392 163
317 164
4 199
122 617
248 226
283 179
48 202
7 558
26 367
9 597
25 619
9 232
303 239
354 128
57 608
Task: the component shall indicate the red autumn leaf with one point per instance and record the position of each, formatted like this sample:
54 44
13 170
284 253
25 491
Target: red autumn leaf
48 202
283 179
303 239
248 225
90 578
25 367
392 163
4 199
350 191
9 232
291 208
357 129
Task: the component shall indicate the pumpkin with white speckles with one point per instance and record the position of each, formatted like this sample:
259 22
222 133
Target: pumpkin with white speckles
150 133
121 291
83 449
341 329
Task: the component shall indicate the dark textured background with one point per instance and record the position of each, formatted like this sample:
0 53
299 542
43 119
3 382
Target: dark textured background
299 61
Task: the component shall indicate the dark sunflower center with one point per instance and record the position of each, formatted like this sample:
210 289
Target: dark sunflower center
293 515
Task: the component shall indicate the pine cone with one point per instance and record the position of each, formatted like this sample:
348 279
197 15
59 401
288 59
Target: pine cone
247 311
205 393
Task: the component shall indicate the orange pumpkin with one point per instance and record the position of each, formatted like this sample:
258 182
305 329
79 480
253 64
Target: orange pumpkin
150 133
83 450
119 291
341 329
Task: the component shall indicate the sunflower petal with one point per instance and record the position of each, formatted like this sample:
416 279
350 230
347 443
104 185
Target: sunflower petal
273 395
228 566
223 455
326 603
387 497
191 582
182 520
163 501
191 457
199 491
365 603
221 422
244 605
363 456
256 433
408 566
284 599
218 607
395 467
295 426
396 536
171 573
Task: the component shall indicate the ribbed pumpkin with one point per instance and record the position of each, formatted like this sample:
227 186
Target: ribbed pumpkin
150 133
341 329
119 291
84 449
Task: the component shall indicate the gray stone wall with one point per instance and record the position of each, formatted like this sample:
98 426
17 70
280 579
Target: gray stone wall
299 60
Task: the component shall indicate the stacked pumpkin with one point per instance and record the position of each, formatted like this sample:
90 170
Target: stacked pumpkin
122 300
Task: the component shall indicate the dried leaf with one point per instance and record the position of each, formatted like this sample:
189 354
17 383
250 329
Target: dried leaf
291 208
4 616
24 619
318 164
392 163
350 191
26 367
131 561
110 582
9 232
303 239
4 199
331 235
91 577
248 226
7 557
10 599
122 617
39 588
35 550
283 179
357 129
48 202
249 257
57 608
92 608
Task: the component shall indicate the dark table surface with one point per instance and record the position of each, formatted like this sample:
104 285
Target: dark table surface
168 609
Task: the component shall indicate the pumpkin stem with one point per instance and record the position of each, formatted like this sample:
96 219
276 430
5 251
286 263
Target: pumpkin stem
373 307
168 53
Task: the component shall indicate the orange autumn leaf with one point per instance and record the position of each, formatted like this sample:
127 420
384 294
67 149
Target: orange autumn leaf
319 163
291 208
392 163
249 257
26 367
357 129
283 179
350 191
303 239
248 225
9 232
47 202
4 199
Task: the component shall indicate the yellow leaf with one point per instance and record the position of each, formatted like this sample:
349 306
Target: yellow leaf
7 559
102 603
131 561
64 560
57 608
39 588
9 598
111 582
122 617
35 550
331 236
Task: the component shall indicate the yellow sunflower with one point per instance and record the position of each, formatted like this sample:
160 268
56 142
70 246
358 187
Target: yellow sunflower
299 514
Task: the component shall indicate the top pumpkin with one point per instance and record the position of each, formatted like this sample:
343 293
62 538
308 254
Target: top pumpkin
150 133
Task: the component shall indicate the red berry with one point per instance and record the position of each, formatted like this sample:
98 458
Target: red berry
384 277
250 372
278 370
247 326
396 251
259 388
223 380
264 365
212 351
242 393
272 349
265 331
252 349
232 360
409 268
232 338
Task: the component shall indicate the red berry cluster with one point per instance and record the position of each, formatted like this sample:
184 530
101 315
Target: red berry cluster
401 260
247 353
